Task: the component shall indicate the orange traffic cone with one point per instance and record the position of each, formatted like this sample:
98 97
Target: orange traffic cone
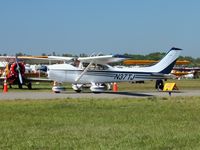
115 87
5 86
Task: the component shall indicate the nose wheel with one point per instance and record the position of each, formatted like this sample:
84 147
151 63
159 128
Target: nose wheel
77 87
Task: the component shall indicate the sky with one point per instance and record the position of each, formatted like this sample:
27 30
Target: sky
34 27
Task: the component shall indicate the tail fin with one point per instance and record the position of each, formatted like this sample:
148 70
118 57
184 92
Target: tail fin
166 64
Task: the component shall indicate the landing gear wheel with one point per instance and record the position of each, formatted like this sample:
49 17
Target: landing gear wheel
29 85
20 86
78 91
77 87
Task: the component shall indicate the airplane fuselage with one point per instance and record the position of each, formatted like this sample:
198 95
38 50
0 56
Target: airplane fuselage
98 76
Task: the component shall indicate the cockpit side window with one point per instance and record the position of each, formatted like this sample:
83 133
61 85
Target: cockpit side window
95 66
102 67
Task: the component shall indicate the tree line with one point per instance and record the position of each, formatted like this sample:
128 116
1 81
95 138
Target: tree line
195 62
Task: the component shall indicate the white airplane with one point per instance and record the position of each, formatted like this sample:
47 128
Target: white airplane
96 71
190 75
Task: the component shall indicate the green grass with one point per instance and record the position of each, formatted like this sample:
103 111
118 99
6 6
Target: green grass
151 123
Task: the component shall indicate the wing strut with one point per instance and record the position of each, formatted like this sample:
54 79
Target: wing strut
85 70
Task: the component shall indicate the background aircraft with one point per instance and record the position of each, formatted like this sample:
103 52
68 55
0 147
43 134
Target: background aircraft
15 70
186 72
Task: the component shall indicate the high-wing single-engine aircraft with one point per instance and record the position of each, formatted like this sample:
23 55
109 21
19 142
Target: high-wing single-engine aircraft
96 71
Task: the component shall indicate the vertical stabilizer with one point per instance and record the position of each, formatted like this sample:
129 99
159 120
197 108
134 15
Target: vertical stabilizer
166 64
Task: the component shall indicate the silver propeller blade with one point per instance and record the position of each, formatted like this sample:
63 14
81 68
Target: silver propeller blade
19 72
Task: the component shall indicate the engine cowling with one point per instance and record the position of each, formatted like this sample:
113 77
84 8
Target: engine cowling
14 72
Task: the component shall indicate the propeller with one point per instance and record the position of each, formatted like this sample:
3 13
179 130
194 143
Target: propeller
19 72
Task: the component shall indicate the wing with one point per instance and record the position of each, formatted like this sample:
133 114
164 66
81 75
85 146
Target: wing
31 79
7 59
44 59
38 80
60 58
98 60
36 59
103 59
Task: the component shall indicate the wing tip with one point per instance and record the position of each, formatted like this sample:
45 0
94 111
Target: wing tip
175 48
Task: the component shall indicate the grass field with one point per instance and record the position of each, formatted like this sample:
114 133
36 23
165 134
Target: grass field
151 123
